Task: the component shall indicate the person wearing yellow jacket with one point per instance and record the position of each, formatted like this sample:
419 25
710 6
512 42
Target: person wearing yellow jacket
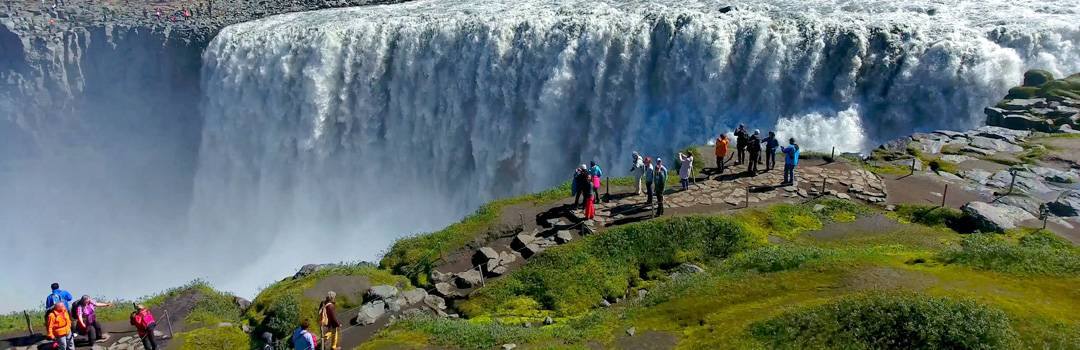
59 328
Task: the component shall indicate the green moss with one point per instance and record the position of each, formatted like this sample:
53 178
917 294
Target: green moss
212 308
1034 152
889 321
467 334
1037 77
933 216
1040 253
415 256
1022 92
941 165
218 338
572 278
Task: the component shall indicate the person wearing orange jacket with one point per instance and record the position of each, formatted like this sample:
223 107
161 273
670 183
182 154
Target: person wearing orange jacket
721 152
59 328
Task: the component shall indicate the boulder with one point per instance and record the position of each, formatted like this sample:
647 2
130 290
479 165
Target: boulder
310 269
642 293
435 303
437 276
995 218
1025 122
468 279
445 289
899 145
531 249
999 133
506 258
563 237
1054 175
413 296
1068 129
548 321
631 331
956 158
370 312
394 305
382 292
483 256
1037 77
1026 182
521 240
690 268
499 270
928 146
995 144
510 346
728 8
1068 205
604 303
978 176
950 134
241 303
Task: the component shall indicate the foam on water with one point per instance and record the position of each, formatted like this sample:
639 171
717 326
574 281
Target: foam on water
355 126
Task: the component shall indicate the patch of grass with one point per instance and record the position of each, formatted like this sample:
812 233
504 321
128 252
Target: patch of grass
468 334
839 210
572 278
783 220
218 338
889 321
773 258
415 256
933 216
212 308
1040 253
1034 153
941 165
283 302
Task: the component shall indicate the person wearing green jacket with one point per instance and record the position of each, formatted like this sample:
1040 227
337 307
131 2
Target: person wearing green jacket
659 183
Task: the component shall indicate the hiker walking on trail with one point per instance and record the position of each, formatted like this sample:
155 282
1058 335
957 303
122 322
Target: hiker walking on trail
650 172
770 150
58 296
144 324
740 143
302 339
58 327
685 169
660 182
791 159
584 185
88 322
268 341
753 147
637 170
596 173
721 152
328 319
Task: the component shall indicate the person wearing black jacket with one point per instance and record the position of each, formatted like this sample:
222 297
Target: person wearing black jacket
584 186
754 148
740 143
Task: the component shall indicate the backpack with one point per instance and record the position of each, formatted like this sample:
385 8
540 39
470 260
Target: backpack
55 298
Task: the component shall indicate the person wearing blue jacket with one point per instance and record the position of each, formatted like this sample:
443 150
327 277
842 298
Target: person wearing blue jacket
791 159
771 144
58 296
660 184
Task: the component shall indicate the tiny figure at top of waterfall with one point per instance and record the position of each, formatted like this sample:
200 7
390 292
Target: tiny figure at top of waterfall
637 170
686 169
753 147
770 150
740 143
791 159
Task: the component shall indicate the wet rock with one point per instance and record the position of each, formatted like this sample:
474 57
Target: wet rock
898 145
1022 104
995 218
1037 77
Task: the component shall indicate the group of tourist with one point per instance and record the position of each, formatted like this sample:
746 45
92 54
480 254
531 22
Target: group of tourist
61 326
586 180
303 339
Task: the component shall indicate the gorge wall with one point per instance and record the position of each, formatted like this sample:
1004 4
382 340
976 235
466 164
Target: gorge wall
238 158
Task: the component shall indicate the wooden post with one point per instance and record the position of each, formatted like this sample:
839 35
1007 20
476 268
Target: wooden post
1013 182
944 195
913 159
29 325
824 180
483 281
169 322
747 196
1043 213
607 190
832 158
521 217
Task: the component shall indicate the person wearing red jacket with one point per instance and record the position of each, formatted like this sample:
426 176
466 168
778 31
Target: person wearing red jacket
144 324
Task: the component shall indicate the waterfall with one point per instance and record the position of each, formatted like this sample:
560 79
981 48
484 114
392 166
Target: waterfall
328 134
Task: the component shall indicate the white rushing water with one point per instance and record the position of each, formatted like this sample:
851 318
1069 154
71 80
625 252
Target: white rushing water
327 134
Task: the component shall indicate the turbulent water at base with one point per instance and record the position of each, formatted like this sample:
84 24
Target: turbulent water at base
327 134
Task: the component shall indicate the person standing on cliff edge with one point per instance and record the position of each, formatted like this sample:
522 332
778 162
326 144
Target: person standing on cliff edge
740 143
660 182
791 159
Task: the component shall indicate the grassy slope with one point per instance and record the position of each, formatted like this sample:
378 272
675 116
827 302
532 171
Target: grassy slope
747 299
